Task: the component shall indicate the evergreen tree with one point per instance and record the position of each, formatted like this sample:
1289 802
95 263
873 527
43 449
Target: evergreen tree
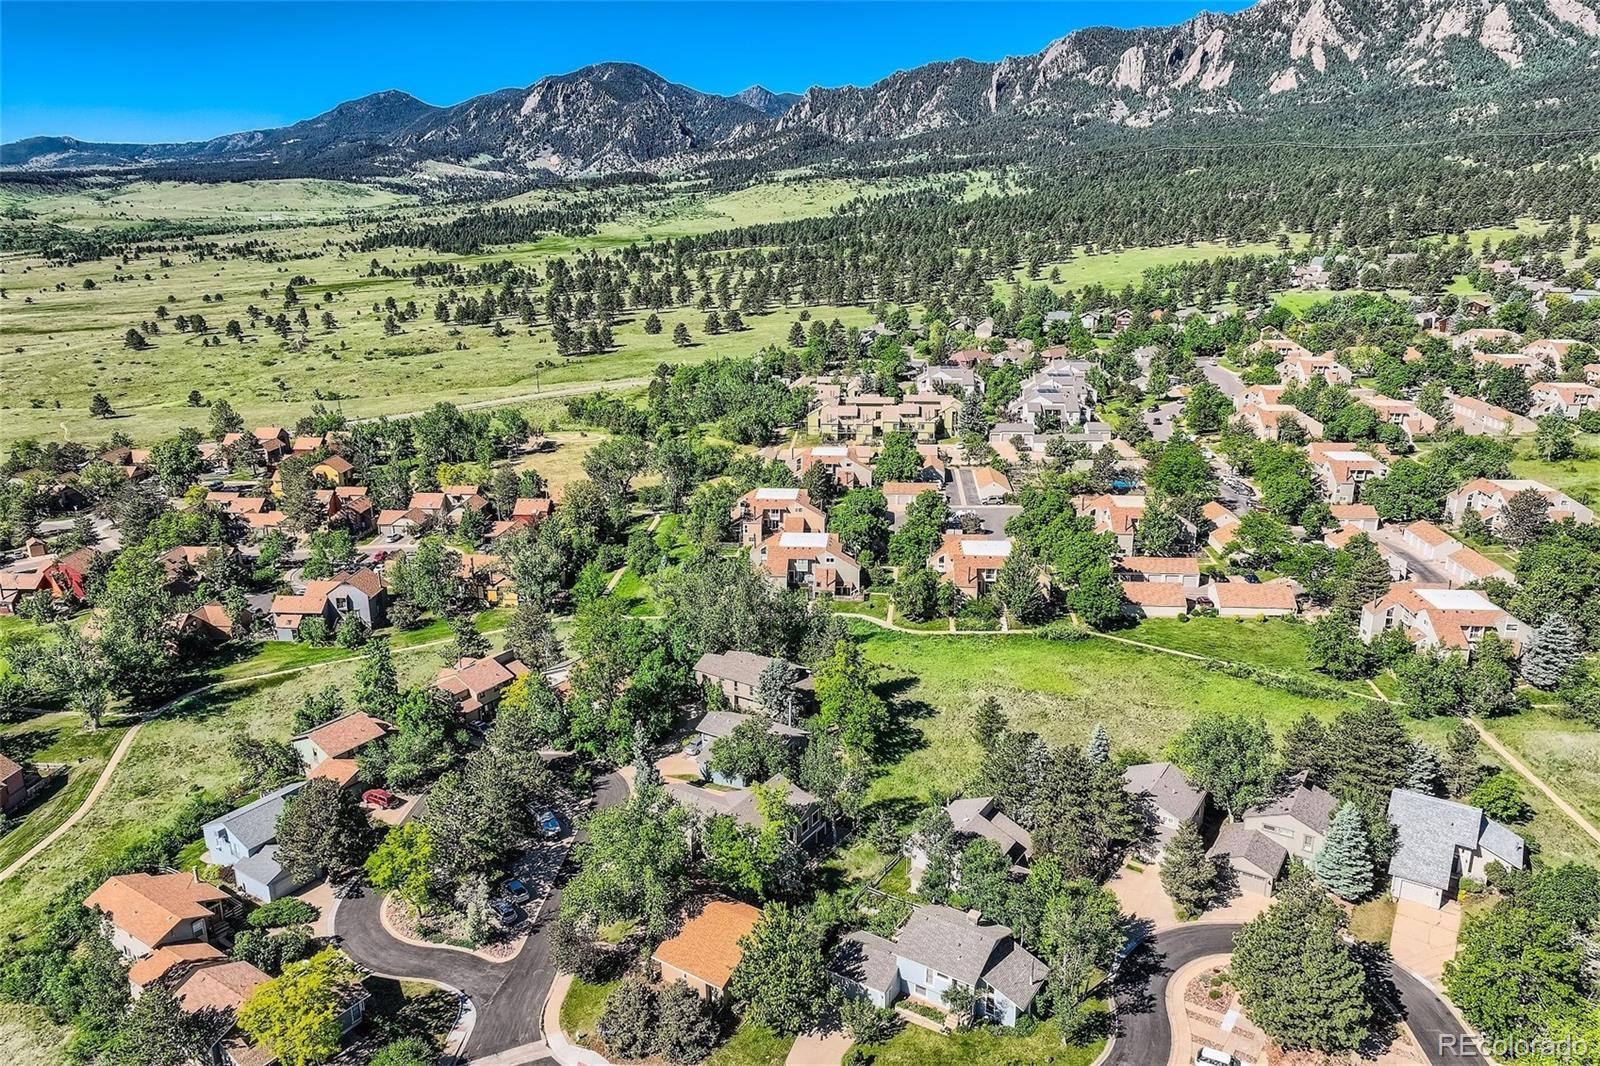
1296 976
1305 749
1187 875
377 684
1345 862
1524 518
1552 651
988 722
1099 747
1462 771
1426 772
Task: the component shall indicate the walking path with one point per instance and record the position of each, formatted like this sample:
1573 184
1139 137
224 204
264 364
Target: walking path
1522 768
126 744
83 808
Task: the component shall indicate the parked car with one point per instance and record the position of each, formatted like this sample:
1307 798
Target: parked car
1210 1056
549 825
380 799
505 913
516 891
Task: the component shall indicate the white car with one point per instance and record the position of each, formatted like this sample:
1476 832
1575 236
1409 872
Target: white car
1210 1056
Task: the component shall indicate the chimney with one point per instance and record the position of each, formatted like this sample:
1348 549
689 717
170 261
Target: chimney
36 548
974 916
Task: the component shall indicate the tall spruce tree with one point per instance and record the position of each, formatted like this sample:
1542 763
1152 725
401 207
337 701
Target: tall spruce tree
1426 771
1189 877
1552 651
1099 746
1345 862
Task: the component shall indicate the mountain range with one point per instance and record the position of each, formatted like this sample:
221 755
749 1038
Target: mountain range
1335 69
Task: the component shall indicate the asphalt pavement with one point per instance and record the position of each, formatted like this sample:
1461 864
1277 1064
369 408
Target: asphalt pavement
1144 1035
508 997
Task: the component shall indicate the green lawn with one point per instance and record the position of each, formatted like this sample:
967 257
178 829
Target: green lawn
580 1011
1059 689
1579 477
182 752
54 738
916 1046
752 1045
1565 752
1274 644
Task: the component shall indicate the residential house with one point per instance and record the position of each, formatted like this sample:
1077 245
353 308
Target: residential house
1489 496
899 494
335 470
1113 513
762 512
169 965
981 816
1553 353
477 685
1259 395
808 820
1297 820
707 948
1179 570
1457 562
149 911
1563 398
63 577
1403 413
1265 421
358 592
851 466
970 561
329 750
1300 369
1222 522
1156 599
1245 599
403 522
718 725
811 561
989 485
1361 516
531 510
938 948
1438 842
1479 419
1482 337
1343 469
1437 617
13 786
244 841
1173 800
1527 365
1277 344
957 379
738 674
487 580
1255 859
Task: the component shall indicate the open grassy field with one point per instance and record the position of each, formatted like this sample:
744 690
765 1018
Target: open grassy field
1271 644
1057 689
1579 477
1116 269
98 202
1563 751
182 752
54 738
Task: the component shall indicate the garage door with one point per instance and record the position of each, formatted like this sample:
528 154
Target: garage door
1254 883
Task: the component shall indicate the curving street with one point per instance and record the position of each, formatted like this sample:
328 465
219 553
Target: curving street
1144 1036
508 997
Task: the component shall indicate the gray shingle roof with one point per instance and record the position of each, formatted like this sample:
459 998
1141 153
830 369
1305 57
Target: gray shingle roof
1430 829
1167 788
742 667
1016 974
1311 806
1238 844
868 960
981 817
719 724
256 823
952 943
262 867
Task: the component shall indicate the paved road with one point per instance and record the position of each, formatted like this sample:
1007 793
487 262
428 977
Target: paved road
1230 383
508 997
1144 1035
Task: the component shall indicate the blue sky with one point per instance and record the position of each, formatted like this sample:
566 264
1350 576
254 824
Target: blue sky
181 71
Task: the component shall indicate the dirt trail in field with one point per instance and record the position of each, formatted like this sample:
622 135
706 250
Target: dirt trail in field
1496 746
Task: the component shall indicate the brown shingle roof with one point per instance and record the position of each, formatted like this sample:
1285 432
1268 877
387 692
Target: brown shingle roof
159 963
220 986
150 906
344 735
708 944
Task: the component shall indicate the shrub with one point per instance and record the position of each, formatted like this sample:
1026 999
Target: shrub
866 1023
280 912
628 1021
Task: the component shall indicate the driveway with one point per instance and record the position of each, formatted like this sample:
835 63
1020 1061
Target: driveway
508 997
1144 1033
1424 937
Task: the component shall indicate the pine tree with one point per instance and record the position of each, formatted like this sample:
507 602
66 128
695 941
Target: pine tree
476 910
1187 875
988 722
1461 769
1551 653
1345 864
1099 746
1305 749
1426 772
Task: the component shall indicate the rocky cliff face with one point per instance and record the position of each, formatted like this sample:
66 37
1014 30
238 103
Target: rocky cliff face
1314 66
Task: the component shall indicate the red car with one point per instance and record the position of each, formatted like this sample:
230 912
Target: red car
380 799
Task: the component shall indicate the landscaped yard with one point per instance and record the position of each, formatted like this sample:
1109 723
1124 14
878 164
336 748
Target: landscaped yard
751 1045
916 1046
54 738
580 1011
